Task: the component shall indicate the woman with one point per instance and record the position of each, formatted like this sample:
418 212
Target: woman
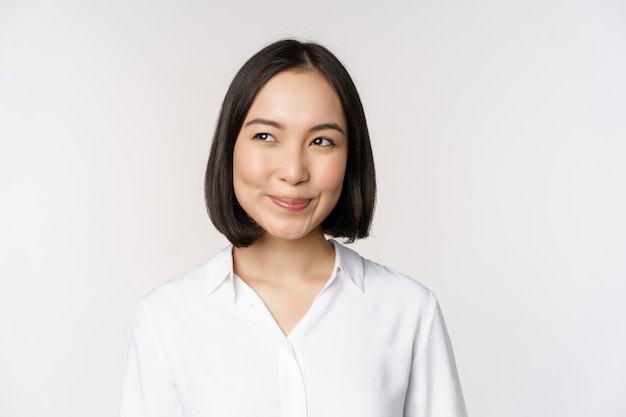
284 322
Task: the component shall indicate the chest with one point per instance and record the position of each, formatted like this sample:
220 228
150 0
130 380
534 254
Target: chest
287 304
344 357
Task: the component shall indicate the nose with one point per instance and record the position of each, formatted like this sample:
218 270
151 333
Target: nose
293 167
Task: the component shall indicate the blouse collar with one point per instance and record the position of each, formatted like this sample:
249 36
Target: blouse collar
219 267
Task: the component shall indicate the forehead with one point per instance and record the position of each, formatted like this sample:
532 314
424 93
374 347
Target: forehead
303 96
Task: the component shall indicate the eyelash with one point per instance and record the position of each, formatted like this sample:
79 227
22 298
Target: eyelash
264 136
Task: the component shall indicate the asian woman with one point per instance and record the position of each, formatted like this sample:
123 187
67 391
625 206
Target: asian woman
287 321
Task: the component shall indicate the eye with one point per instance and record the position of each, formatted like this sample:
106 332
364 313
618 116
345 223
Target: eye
266 137
322 142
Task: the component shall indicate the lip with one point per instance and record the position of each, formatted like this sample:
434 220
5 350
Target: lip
291 204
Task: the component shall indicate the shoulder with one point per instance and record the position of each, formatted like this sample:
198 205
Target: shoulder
400 297
384 274
382 280
389 297
196 282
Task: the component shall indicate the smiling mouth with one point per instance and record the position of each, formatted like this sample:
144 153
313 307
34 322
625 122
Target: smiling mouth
291 204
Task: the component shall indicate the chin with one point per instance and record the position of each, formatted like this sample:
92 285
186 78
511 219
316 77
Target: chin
290 233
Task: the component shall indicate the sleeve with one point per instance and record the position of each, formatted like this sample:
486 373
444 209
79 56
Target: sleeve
148 389
434 388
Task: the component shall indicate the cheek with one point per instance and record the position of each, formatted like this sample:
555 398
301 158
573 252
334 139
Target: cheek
248 168
333 173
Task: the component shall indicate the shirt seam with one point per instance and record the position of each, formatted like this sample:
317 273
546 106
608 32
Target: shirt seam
432 308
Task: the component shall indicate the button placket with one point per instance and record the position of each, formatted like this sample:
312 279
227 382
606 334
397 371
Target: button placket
291 383
292 393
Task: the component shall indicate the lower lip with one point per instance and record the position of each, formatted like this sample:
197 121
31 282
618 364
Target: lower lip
291 204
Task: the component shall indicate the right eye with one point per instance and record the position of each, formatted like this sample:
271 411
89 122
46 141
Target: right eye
266 137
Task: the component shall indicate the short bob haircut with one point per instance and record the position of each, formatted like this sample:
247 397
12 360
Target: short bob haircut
352 216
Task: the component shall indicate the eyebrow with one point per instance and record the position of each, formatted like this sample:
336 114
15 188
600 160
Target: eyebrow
316 128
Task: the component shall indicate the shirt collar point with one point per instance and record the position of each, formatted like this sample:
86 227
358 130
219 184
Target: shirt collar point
218 268
350 263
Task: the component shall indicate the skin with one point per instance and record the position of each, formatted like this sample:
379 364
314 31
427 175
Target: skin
288 167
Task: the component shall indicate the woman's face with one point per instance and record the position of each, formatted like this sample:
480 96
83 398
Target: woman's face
290 156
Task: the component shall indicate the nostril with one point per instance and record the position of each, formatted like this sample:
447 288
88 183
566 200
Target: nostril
293 170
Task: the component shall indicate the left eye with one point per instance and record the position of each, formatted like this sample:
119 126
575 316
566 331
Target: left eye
322 142
265 137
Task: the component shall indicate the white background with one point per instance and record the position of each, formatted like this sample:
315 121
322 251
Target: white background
499 133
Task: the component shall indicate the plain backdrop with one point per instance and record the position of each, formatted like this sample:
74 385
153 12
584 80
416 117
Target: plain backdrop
499 134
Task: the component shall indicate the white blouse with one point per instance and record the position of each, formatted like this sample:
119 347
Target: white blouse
373 344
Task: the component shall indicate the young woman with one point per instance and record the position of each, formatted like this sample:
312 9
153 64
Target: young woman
283 322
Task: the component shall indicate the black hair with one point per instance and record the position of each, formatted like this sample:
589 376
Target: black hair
352 216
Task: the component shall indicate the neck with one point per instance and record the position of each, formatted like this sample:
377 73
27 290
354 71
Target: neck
270 258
